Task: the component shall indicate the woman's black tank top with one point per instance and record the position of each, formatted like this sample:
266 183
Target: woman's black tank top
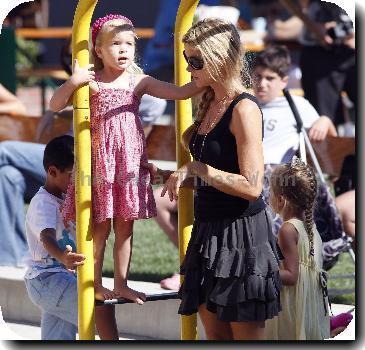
220 152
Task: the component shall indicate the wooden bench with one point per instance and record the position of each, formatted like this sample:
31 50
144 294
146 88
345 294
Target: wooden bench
161 144
65 32
43 72
251 40
161 141
18 127
24 128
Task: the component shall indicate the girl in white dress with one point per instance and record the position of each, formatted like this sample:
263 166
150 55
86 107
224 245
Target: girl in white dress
305 312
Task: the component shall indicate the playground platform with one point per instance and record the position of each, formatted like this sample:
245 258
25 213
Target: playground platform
157 320
153 320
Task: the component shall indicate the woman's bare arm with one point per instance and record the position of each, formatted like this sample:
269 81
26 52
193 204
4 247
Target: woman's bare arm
162 89
246 126
9 103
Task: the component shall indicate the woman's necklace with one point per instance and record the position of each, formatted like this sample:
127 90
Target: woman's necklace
219 111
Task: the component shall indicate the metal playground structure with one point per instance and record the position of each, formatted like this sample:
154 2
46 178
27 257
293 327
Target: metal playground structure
81 120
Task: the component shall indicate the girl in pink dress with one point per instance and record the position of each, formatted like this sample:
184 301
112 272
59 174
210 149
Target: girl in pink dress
121 188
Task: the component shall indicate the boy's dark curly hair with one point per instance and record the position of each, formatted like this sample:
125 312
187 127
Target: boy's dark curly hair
59 152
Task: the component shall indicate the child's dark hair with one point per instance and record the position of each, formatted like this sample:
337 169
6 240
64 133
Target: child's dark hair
275 58
59 152
296 182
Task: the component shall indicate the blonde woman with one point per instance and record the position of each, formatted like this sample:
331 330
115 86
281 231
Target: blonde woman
231 265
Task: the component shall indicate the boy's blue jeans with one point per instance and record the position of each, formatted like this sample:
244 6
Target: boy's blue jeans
55 293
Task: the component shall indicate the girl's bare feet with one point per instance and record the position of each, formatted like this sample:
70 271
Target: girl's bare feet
102 293
131 294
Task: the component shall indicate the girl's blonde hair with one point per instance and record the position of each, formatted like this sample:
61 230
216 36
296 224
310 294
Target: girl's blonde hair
114 25
219 44
296 182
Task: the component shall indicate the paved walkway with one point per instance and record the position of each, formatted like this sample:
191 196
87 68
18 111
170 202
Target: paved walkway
31 332
18 331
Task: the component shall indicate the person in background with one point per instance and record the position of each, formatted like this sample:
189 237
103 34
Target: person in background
167 219
345 203
282 25
328 39
281 140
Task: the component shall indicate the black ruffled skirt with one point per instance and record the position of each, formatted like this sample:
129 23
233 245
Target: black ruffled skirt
232 266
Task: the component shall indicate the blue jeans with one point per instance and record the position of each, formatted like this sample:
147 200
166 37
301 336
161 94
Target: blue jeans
55 293
21 175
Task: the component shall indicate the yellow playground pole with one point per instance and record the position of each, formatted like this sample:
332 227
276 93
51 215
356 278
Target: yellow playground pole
183 119
81 120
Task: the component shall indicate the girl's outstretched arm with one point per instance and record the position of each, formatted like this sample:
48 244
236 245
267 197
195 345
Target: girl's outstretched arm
162 89
62 95
246 126
288 243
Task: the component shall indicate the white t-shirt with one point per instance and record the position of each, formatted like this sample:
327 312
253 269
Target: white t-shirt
44 212
281 138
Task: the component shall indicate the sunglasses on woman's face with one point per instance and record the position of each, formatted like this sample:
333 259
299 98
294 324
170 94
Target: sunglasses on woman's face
195 63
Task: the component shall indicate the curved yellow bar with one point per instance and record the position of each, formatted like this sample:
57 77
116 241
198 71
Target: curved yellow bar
183 119
81 120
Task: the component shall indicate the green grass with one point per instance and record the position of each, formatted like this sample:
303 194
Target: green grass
344 266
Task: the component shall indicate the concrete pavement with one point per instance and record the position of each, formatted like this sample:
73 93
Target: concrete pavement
157 320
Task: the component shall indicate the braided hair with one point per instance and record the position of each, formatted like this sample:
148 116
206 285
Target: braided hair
296 182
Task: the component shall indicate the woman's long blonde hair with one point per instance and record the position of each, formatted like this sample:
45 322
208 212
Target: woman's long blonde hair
114 25
219 44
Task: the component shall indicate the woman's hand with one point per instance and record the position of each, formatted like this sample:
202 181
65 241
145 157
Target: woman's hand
83 75
158 176
174 182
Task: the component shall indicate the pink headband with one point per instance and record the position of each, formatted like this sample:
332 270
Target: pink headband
102 20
